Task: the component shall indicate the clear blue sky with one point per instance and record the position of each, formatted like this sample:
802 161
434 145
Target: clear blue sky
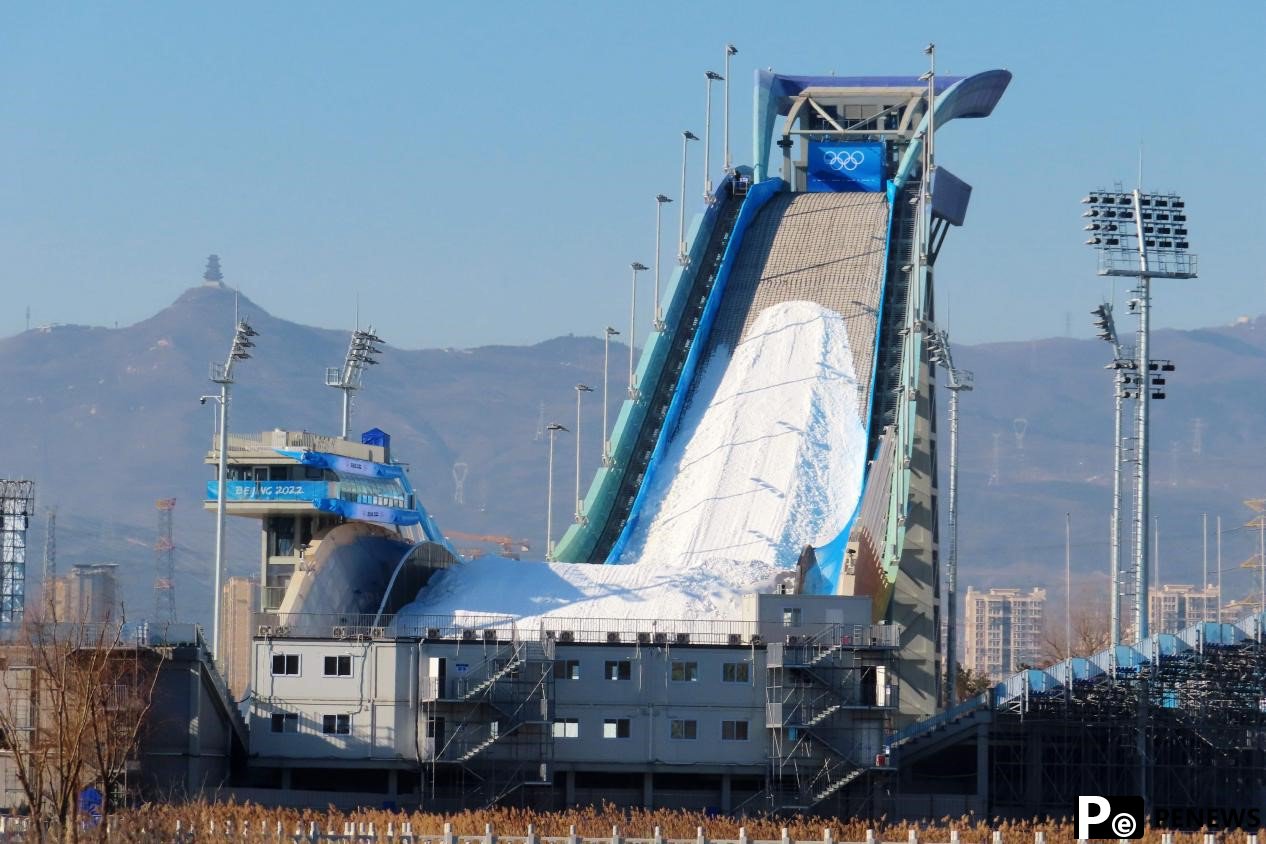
485 172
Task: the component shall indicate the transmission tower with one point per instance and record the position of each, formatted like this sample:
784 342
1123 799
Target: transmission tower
164 564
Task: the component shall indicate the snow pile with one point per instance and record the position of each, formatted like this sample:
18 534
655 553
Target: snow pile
768 458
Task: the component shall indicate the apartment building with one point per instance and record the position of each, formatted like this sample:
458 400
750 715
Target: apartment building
1003 630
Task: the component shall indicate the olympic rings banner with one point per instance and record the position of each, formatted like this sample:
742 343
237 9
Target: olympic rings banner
841 167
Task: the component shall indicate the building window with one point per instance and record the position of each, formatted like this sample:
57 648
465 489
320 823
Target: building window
338 666
687 730
791 617
736 672
733 731
285 665
336 725
567 728
615 728
285 722
566 669
620 669
685 672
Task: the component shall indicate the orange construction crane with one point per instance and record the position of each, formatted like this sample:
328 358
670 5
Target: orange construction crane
508 544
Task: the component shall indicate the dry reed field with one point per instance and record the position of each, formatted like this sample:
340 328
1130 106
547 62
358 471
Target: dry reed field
207 822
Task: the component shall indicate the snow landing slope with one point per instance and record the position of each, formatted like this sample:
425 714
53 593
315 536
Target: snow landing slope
768 458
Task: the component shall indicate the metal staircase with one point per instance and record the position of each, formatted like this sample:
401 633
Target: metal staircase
828 705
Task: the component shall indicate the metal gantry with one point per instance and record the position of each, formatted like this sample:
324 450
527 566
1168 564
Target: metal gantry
17 505
1142 236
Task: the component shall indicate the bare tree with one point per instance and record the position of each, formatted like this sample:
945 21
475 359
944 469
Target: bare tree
1090 629
72 704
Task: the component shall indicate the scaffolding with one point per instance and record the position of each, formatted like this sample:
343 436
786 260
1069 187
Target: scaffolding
164 564
829 701
489 730
17 505
1177 719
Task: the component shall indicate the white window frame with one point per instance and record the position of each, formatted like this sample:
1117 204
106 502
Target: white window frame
336 657
570 728
686 725
298 672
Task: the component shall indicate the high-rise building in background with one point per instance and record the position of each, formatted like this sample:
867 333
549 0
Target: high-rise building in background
238 603
1175 607
1003 630
88 593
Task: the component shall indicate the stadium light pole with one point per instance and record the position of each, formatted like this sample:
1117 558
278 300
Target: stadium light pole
637 267
606 368
1142 236
361 353
660 202
1120 366
712 76
553 428
682 257
222 374
728 162
959 380
580 508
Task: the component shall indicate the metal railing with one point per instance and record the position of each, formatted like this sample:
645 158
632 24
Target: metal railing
488 628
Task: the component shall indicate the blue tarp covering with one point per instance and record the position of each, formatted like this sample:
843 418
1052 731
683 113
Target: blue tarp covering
845 167
376 436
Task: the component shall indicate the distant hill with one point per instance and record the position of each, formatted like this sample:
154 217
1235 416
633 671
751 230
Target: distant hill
107 421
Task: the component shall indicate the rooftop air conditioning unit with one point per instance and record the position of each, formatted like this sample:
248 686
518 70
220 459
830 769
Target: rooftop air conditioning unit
566 636
793 640
643 638
550 635
661 638
734 640
613 638
432 632
340 632
683 638
490 635
282 630
378 632
264 630
468 635
757 639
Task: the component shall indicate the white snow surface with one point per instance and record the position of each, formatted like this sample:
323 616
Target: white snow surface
768 458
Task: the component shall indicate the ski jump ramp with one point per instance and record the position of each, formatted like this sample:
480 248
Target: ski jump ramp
783 422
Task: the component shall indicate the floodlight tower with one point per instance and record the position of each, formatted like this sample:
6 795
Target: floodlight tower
362 352
1142 236
1121 366
222 374
959 380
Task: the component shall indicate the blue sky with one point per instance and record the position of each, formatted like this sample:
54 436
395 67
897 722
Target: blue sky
484 173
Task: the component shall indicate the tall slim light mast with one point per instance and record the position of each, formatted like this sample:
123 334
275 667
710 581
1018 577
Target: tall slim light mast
727 161
361 353
712 76
637 267
553 428
580 502
1121 366
222 374
960 380
683 257
1142 236
606 368
660 202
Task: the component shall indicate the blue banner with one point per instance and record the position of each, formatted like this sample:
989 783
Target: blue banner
368 512
842 166
342 465
269 490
